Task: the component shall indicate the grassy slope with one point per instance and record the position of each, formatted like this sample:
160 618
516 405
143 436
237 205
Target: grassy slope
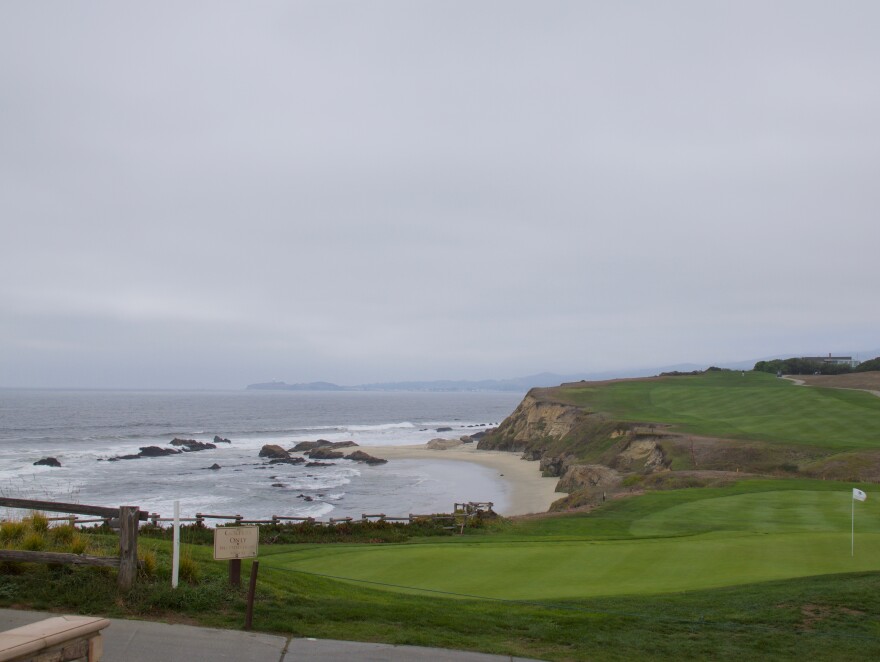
658 543
729 405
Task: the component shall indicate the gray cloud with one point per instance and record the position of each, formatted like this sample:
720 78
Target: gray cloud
207 194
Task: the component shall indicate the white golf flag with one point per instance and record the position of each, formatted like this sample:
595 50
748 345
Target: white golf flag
858 495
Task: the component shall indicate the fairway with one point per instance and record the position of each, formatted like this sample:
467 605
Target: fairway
742 406
709 542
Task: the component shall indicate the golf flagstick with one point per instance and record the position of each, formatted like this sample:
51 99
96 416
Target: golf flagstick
857 495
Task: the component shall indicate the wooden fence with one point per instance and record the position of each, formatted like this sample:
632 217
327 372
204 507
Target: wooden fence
127 518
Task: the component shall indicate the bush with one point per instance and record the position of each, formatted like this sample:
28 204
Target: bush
11 532
148 564
868 366
34 541
78 545
189 570
63 534
799 366
38 522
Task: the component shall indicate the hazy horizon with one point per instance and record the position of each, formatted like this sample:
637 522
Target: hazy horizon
212 195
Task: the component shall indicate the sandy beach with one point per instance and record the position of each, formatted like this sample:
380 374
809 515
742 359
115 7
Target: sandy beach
528 491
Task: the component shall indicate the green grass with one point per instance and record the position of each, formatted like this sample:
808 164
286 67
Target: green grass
755 406
657 543
760 569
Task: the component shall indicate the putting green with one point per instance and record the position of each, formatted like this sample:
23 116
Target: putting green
713 542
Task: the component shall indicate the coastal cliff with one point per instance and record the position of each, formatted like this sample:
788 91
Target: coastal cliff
537 420
589 451
571 433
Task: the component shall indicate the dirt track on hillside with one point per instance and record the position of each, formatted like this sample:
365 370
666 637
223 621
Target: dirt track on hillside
864 381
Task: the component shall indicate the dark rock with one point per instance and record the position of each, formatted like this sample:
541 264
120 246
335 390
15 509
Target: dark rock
278 485
585 476
308 498
220 440
274 451
360 456
48 462
443 430
320 464
151 451
190 445
287 460
554 466
215 467
532 455
324 453
305 446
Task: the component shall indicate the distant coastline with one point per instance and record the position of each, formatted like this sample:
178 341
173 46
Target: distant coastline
513 385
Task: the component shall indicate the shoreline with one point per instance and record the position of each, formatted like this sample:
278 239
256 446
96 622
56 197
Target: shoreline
528 491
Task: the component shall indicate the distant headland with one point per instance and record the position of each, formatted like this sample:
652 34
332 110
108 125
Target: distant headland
514 385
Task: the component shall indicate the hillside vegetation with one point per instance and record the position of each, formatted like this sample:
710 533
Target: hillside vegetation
691 430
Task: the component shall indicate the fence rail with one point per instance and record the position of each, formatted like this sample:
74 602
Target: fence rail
58 557
110 515
59 507
126 518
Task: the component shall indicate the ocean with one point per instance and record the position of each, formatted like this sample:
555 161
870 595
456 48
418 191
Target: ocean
83 429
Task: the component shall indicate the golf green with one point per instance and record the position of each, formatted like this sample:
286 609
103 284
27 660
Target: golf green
707 543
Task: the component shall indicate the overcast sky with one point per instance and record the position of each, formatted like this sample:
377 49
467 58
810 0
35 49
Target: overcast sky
209 194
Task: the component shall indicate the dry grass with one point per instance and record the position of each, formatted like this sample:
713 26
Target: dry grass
863 381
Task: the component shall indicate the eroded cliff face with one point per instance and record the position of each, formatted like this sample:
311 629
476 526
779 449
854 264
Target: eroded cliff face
587 450
534 421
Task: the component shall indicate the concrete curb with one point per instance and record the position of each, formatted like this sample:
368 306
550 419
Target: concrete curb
148 641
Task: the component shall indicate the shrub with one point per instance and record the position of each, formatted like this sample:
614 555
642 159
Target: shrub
38 522
189 570
12 531
148 564
33 541
632 480
78 544
867 366
63 535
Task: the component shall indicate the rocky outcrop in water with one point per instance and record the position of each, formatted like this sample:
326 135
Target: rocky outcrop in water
360 456
47 462
220 440
287 460
305 446
325 453
274 451
190 445
147 451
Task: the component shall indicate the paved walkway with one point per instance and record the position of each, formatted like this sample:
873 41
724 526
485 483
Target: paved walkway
146 641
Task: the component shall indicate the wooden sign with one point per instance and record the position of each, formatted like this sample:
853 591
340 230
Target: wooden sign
235 542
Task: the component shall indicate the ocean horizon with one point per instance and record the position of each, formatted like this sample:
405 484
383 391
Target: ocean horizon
84 428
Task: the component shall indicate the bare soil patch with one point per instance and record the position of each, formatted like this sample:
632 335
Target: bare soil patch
863 381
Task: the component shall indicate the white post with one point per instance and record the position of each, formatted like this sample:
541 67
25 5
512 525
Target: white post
175 555
852 542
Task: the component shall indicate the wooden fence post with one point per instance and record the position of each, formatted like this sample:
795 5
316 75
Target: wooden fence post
128 531
252 589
